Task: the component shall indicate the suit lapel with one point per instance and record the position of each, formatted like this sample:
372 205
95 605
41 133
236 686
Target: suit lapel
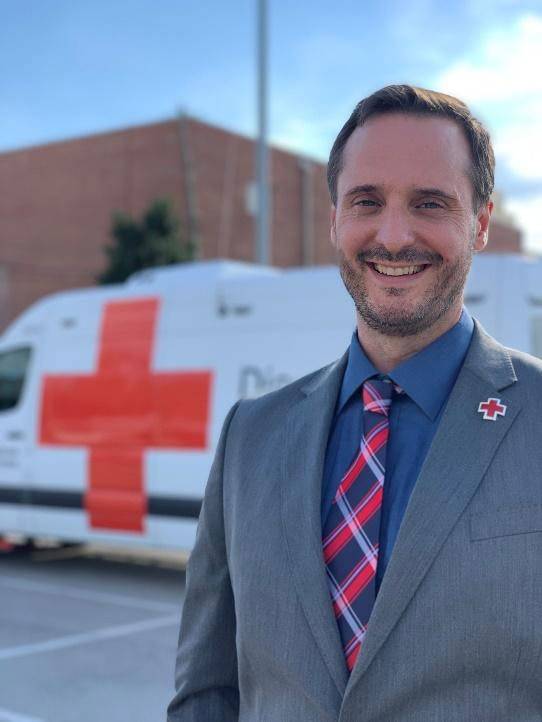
305 440
460 454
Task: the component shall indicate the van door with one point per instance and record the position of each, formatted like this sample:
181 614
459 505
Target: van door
14 435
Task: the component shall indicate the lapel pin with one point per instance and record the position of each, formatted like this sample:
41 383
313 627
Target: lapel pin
491 409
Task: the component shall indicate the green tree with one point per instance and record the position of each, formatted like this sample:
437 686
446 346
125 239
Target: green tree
155 240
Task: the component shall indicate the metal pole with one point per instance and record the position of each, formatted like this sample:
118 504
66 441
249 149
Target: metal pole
189 185
262 239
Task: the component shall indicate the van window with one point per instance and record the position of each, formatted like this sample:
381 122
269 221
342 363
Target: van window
13 367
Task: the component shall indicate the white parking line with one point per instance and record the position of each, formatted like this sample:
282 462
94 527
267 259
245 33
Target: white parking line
26 585
7 716
97 635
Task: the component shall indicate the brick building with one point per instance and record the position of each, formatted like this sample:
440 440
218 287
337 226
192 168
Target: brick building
56 202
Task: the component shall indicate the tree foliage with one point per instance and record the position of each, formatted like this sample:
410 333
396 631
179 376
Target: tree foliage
154 240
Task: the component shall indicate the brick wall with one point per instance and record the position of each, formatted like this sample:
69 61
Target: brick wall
56 203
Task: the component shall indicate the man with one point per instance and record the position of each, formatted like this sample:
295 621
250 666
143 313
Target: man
370 543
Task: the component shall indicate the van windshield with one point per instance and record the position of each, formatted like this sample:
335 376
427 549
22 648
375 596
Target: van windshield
13 368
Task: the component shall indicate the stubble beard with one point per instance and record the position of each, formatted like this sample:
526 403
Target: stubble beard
405 321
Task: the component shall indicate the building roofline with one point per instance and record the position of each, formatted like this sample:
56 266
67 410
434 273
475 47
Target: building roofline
142 126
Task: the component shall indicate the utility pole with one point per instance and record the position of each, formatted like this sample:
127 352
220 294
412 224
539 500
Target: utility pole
189 184
262 163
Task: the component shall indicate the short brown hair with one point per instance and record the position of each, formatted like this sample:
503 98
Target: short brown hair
419 101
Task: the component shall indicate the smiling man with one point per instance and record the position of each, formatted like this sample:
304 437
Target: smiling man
406 221
370 543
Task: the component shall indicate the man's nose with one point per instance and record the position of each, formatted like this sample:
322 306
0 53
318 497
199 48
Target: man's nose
394 229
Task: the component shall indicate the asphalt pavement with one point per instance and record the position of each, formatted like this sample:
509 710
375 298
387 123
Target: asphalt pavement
88 635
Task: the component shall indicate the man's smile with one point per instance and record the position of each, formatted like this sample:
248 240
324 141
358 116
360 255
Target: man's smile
388 274
387 270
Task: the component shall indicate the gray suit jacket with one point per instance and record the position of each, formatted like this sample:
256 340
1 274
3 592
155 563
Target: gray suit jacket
456 631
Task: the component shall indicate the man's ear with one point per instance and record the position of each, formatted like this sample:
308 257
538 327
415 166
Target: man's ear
482 226
332 227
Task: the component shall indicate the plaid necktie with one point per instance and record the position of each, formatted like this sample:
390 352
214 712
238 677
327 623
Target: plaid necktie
350 533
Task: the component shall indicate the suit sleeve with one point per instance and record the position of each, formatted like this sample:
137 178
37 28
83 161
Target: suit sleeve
206 667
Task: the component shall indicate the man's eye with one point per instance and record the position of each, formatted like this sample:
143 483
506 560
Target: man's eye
430 204
365 202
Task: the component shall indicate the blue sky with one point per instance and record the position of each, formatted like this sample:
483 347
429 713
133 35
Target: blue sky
73 68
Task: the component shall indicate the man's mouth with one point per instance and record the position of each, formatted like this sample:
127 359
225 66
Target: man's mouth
397 270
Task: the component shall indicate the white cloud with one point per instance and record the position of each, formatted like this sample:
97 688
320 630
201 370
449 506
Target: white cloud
297 120
528 211
300 135
502 80
519 143
506 67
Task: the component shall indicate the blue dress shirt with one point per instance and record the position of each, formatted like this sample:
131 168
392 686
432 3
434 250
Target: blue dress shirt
427 379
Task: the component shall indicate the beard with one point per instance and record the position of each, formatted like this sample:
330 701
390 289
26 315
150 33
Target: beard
408 320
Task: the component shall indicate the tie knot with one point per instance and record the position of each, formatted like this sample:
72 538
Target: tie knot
377 395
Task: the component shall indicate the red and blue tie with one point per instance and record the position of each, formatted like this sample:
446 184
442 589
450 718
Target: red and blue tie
351 531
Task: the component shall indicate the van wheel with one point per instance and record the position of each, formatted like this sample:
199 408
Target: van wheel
5 545
16 545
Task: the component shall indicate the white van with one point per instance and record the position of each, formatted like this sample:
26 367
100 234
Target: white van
112 398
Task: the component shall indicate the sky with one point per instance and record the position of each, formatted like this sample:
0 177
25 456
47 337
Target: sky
71 68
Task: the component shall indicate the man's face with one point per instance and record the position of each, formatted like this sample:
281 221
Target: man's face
404 223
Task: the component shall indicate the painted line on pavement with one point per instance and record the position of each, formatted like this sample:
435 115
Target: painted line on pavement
98 635
26 585
7 716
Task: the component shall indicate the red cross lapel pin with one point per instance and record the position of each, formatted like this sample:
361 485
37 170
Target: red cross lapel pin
491 409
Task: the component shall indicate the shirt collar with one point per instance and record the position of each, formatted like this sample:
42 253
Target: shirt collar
427 377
